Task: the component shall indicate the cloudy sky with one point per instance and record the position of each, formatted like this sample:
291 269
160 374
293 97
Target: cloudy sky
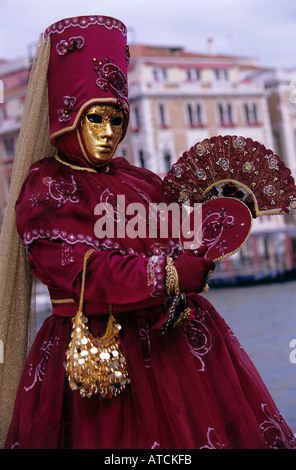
261 29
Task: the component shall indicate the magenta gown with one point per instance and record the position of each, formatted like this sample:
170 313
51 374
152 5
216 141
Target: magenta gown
194 388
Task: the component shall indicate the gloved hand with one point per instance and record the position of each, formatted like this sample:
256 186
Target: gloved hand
193 270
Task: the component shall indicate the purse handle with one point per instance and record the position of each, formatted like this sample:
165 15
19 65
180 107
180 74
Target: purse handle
109 333
86 258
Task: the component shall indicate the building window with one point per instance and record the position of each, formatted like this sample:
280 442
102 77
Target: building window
190 114
137 116
198 113
193 74
255 113
221 74
9 146
225 112
195 115
3 112
160 74
167 162
229 112
247 114
221 113
135 119
251 114
162 116
164 74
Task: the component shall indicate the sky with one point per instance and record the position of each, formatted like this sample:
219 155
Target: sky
264 30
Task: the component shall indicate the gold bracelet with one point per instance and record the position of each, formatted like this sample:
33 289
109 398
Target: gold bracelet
206 288
172 282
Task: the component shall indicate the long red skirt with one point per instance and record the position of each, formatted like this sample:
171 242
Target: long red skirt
194 388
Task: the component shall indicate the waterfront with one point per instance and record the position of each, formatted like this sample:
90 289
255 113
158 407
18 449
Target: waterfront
263 319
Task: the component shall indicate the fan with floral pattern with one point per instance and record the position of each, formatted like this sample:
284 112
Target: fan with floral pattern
234 169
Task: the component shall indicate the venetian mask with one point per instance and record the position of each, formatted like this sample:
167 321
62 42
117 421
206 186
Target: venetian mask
101 128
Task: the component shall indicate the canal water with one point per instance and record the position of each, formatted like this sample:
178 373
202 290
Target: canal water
263 318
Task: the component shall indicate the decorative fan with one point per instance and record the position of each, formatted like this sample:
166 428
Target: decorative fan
236 179
225 228
236 167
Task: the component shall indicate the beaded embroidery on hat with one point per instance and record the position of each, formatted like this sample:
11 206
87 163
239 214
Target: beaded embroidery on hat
84 22
111 76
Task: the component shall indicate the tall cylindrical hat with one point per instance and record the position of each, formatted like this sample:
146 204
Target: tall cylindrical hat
88 65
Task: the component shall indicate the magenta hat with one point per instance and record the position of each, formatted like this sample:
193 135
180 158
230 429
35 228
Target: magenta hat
88 65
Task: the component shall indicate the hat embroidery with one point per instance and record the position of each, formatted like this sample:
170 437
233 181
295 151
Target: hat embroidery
65 47
85 22
65 113
111 76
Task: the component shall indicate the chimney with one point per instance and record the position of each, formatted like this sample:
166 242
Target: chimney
211 49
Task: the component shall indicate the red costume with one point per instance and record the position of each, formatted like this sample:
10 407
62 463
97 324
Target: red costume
192 388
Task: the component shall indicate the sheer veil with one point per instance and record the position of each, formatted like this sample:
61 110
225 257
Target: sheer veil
17 313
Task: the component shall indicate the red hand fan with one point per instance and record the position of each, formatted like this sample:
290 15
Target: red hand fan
236 167
225 228
253 177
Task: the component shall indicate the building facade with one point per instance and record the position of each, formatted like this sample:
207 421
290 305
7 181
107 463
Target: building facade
14 76
179 98
281 90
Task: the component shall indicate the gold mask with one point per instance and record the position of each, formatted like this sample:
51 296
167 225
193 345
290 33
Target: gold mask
101 128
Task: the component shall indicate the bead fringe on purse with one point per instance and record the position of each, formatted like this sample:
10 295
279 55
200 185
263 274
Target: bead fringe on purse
95 366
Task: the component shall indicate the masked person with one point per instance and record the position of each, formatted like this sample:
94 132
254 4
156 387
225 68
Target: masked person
101 373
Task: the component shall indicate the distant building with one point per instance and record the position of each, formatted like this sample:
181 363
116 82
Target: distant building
280 85
14 76
179 98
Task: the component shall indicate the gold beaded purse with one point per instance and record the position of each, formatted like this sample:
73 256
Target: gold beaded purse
95 366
